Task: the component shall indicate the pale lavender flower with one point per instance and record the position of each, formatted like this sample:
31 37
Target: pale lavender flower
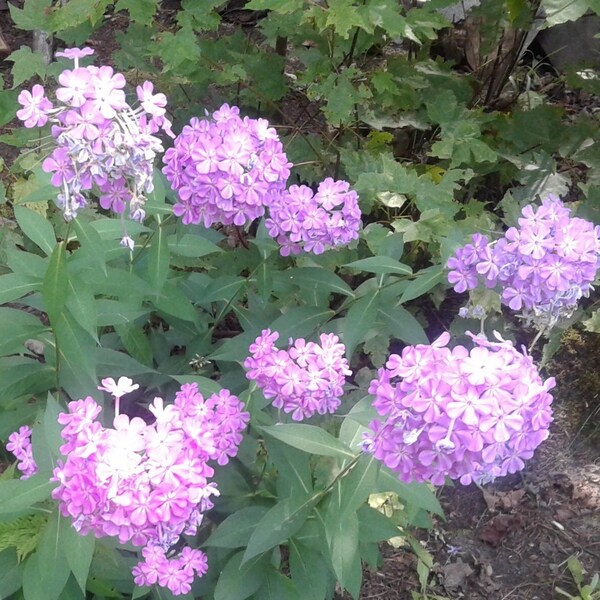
307 378
542 268
148 484
101 142
19 443
226 169
301 220
463 414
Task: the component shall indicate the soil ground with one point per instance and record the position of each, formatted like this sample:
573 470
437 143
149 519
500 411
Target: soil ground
512 539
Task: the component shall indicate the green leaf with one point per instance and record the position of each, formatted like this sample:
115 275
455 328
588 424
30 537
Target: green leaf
300 321
280 6
91 244
51 427
24 378
112 229
222 288
593 323
47 571
158 260
278 586
140 11
109 362
8 110
425 280
191 246
135 342
278 524
55 288
79 550
420 495
10 573
235 531
26 65
374 526
77 370
117 312
76 12
17 326
360 319
344 16
174 302
402 325
358 484
239 581
294 475
316 277
36 228
82 305
15 285
342 536
19 494
561 11
22 534
380 265
308 571
308 438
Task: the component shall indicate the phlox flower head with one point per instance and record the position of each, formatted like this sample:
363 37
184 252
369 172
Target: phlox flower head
148 484
301 220
542 267
225 168
307 378
470 415
19 443
101 144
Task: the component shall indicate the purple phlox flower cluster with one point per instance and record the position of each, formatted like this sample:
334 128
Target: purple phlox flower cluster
226 169
544 266
471 415
307 378
301 220
148 484
19 443
102 143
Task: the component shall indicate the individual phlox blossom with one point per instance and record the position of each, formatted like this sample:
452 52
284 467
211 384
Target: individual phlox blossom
226 169
148 484
465 414
307 378
36 107
301 220
542 267
100 140
19 443
176 573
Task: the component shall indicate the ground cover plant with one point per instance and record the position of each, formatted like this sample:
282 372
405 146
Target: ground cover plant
224 254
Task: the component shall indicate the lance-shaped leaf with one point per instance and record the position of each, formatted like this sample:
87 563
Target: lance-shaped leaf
280 523
308 438
36 228
55 288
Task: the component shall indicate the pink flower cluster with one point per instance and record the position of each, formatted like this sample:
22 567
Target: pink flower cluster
226 169
148 484
468 415
231 170
301 220
544 266
101 142
308 378
19 443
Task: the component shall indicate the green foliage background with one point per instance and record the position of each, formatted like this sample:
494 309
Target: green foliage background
358 90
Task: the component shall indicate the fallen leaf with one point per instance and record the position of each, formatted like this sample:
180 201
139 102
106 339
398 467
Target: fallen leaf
455 574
